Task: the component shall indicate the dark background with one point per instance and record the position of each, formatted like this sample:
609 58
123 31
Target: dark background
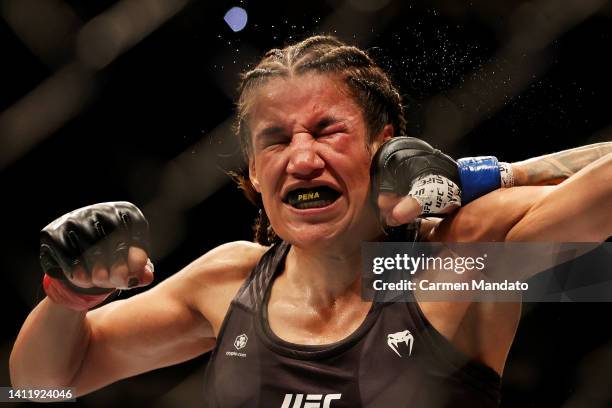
82 122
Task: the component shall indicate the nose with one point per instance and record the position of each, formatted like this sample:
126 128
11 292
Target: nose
304 161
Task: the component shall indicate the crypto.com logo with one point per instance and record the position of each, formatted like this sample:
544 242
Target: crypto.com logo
312 400
241 341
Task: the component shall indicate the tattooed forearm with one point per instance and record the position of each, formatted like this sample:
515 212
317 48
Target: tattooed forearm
556 167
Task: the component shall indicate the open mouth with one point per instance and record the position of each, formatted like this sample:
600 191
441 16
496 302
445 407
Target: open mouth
313 197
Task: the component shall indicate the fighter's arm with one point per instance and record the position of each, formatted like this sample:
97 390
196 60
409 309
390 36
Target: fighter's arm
549 169
173 322
579 209
553 168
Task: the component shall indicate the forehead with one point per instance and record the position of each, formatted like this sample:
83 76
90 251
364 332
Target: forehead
300 98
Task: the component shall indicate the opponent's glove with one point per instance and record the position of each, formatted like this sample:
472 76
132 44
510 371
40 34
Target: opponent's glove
100 233
409 166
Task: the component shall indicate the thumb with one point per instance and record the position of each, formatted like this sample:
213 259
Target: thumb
386 203
404 212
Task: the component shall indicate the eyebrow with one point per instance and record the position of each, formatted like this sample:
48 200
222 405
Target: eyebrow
270 131
275 130
325 122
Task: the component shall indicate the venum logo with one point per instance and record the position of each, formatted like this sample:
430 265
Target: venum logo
395 339
239 343
309 400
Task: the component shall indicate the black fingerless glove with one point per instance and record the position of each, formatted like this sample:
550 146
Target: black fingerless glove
98 233
401 160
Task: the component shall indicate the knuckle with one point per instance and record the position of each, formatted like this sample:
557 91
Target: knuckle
137 258
118 269
119 273
117 281
99 275
81 281
78 272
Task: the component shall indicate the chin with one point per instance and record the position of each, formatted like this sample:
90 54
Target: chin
337 227
309 235
323 237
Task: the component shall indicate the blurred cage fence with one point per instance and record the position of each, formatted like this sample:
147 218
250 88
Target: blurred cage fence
78 46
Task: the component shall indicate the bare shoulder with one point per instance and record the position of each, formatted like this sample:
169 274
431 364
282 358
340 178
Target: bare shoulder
224 264
227 262
213 279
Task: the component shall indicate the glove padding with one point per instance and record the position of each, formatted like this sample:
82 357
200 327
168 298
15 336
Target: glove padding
402 161
97 233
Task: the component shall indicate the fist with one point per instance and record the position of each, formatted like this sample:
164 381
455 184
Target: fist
410 178
98 248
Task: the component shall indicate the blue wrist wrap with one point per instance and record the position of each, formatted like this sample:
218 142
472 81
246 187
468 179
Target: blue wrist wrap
478 176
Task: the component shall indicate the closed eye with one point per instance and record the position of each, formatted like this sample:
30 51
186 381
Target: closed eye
332 130
275 140
271 136
329 125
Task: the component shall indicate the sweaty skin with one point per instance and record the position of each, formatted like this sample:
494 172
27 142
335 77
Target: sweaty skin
577 210
306 130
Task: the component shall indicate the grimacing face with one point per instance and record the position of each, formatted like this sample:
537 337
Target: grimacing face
311 162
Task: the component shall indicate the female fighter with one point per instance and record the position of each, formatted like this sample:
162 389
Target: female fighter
287 322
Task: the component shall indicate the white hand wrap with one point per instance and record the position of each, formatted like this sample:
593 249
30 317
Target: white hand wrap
436 194
507 175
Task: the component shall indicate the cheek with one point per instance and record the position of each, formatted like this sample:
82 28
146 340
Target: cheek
359 184
362 173
360 160
343 144
268 172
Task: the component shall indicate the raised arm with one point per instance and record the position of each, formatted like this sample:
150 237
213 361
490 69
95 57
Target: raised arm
579 209
177 320
173 322
88 350
553 168
411 178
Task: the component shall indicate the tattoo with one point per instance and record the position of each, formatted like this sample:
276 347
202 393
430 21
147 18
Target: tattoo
556 167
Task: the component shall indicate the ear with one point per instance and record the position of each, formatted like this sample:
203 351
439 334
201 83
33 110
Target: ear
253 176
387 133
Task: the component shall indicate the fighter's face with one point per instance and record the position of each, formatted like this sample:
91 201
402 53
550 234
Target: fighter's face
310 160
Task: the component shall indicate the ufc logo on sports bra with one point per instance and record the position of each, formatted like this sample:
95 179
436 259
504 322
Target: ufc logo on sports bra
309 400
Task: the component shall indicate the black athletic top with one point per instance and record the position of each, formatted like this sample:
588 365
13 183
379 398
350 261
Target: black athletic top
394 359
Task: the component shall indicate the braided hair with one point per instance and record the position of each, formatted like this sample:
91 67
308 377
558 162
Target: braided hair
370 86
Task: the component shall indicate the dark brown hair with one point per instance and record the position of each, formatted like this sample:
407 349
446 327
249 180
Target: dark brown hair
368 83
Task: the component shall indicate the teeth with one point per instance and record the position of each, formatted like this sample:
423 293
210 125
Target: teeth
313 204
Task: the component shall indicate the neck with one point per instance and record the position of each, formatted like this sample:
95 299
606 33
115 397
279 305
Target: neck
329 274
324 278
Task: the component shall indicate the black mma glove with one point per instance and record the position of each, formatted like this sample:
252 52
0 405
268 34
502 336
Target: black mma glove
409 166
97 233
